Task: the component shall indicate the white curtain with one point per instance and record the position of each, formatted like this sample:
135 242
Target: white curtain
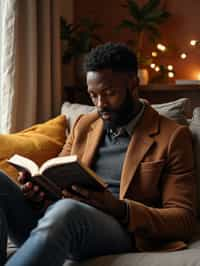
32 90
7 62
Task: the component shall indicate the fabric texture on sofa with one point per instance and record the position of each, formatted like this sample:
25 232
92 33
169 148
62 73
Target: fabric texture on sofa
176 110
188 257
195 129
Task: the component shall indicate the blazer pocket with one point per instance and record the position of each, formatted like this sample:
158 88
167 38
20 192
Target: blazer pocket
149 174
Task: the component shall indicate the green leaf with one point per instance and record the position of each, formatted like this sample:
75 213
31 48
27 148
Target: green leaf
129 25
134 9
150 6
158 16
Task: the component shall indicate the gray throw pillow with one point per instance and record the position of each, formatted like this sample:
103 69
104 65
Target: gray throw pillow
177 110
195 129
74 110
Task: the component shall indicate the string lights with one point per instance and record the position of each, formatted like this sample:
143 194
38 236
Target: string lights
194 42
183 55
161 48
169 69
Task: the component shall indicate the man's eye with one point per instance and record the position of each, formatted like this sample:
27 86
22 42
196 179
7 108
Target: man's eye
109 92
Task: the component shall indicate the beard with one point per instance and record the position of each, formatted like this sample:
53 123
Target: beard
121 116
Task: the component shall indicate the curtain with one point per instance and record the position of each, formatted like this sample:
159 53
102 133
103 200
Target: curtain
7 62
35 95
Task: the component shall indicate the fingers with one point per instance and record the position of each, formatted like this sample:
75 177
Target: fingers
67 194
76 192
32 192
26 187
23 177
83 192
82 195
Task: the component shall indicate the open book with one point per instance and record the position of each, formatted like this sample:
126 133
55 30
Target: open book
58 173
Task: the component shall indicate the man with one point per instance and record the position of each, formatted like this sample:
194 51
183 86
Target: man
145 158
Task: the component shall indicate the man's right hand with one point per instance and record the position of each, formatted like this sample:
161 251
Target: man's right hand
31 191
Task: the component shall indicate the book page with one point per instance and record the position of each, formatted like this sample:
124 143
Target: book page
57 161
23 163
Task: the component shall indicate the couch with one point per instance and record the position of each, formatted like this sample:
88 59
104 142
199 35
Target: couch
45 140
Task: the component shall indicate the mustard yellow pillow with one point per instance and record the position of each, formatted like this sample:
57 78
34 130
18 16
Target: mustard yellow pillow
39 143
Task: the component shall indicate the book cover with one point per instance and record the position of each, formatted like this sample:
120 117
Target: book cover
58 174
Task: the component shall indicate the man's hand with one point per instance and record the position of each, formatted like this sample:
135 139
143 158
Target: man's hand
32 192
103 200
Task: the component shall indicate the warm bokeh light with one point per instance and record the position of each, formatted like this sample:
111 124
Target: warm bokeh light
170 67
171 74
153 65
161 47
183 56
157 69
193 42
154 54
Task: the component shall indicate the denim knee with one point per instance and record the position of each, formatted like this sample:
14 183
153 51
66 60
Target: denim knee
64 224
60 215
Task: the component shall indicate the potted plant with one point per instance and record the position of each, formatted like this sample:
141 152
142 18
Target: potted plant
144 22
77 40
68 39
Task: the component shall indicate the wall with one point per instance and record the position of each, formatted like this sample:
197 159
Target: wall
67 11
179 30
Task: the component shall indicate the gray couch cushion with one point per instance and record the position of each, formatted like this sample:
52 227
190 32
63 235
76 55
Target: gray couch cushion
195 129
176 110
74 110
188 257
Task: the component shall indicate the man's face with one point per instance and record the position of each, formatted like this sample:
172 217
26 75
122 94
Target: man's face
112 94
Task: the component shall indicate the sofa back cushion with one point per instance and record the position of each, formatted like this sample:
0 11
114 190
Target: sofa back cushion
176 110
195 129
73 110
39 143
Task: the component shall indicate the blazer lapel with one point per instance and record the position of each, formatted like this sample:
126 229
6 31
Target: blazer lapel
140 143
93 140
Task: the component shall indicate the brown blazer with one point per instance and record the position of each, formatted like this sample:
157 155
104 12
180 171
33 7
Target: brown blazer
157 177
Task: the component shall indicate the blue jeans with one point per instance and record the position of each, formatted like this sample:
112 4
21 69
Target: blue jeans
68 229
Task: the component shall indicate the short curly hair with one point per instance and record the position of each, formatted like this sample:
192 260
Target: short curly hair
115 56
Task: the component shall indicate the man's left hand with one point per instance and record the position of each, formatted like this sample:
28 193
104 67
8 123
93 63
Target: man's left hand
103 200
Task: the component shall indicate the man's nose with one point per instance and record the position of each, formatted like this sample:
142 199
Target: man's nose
101 102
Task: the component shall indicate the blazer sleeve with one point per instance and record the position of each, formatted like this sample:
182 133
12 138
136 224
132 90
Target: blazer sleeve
176 217
67 148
